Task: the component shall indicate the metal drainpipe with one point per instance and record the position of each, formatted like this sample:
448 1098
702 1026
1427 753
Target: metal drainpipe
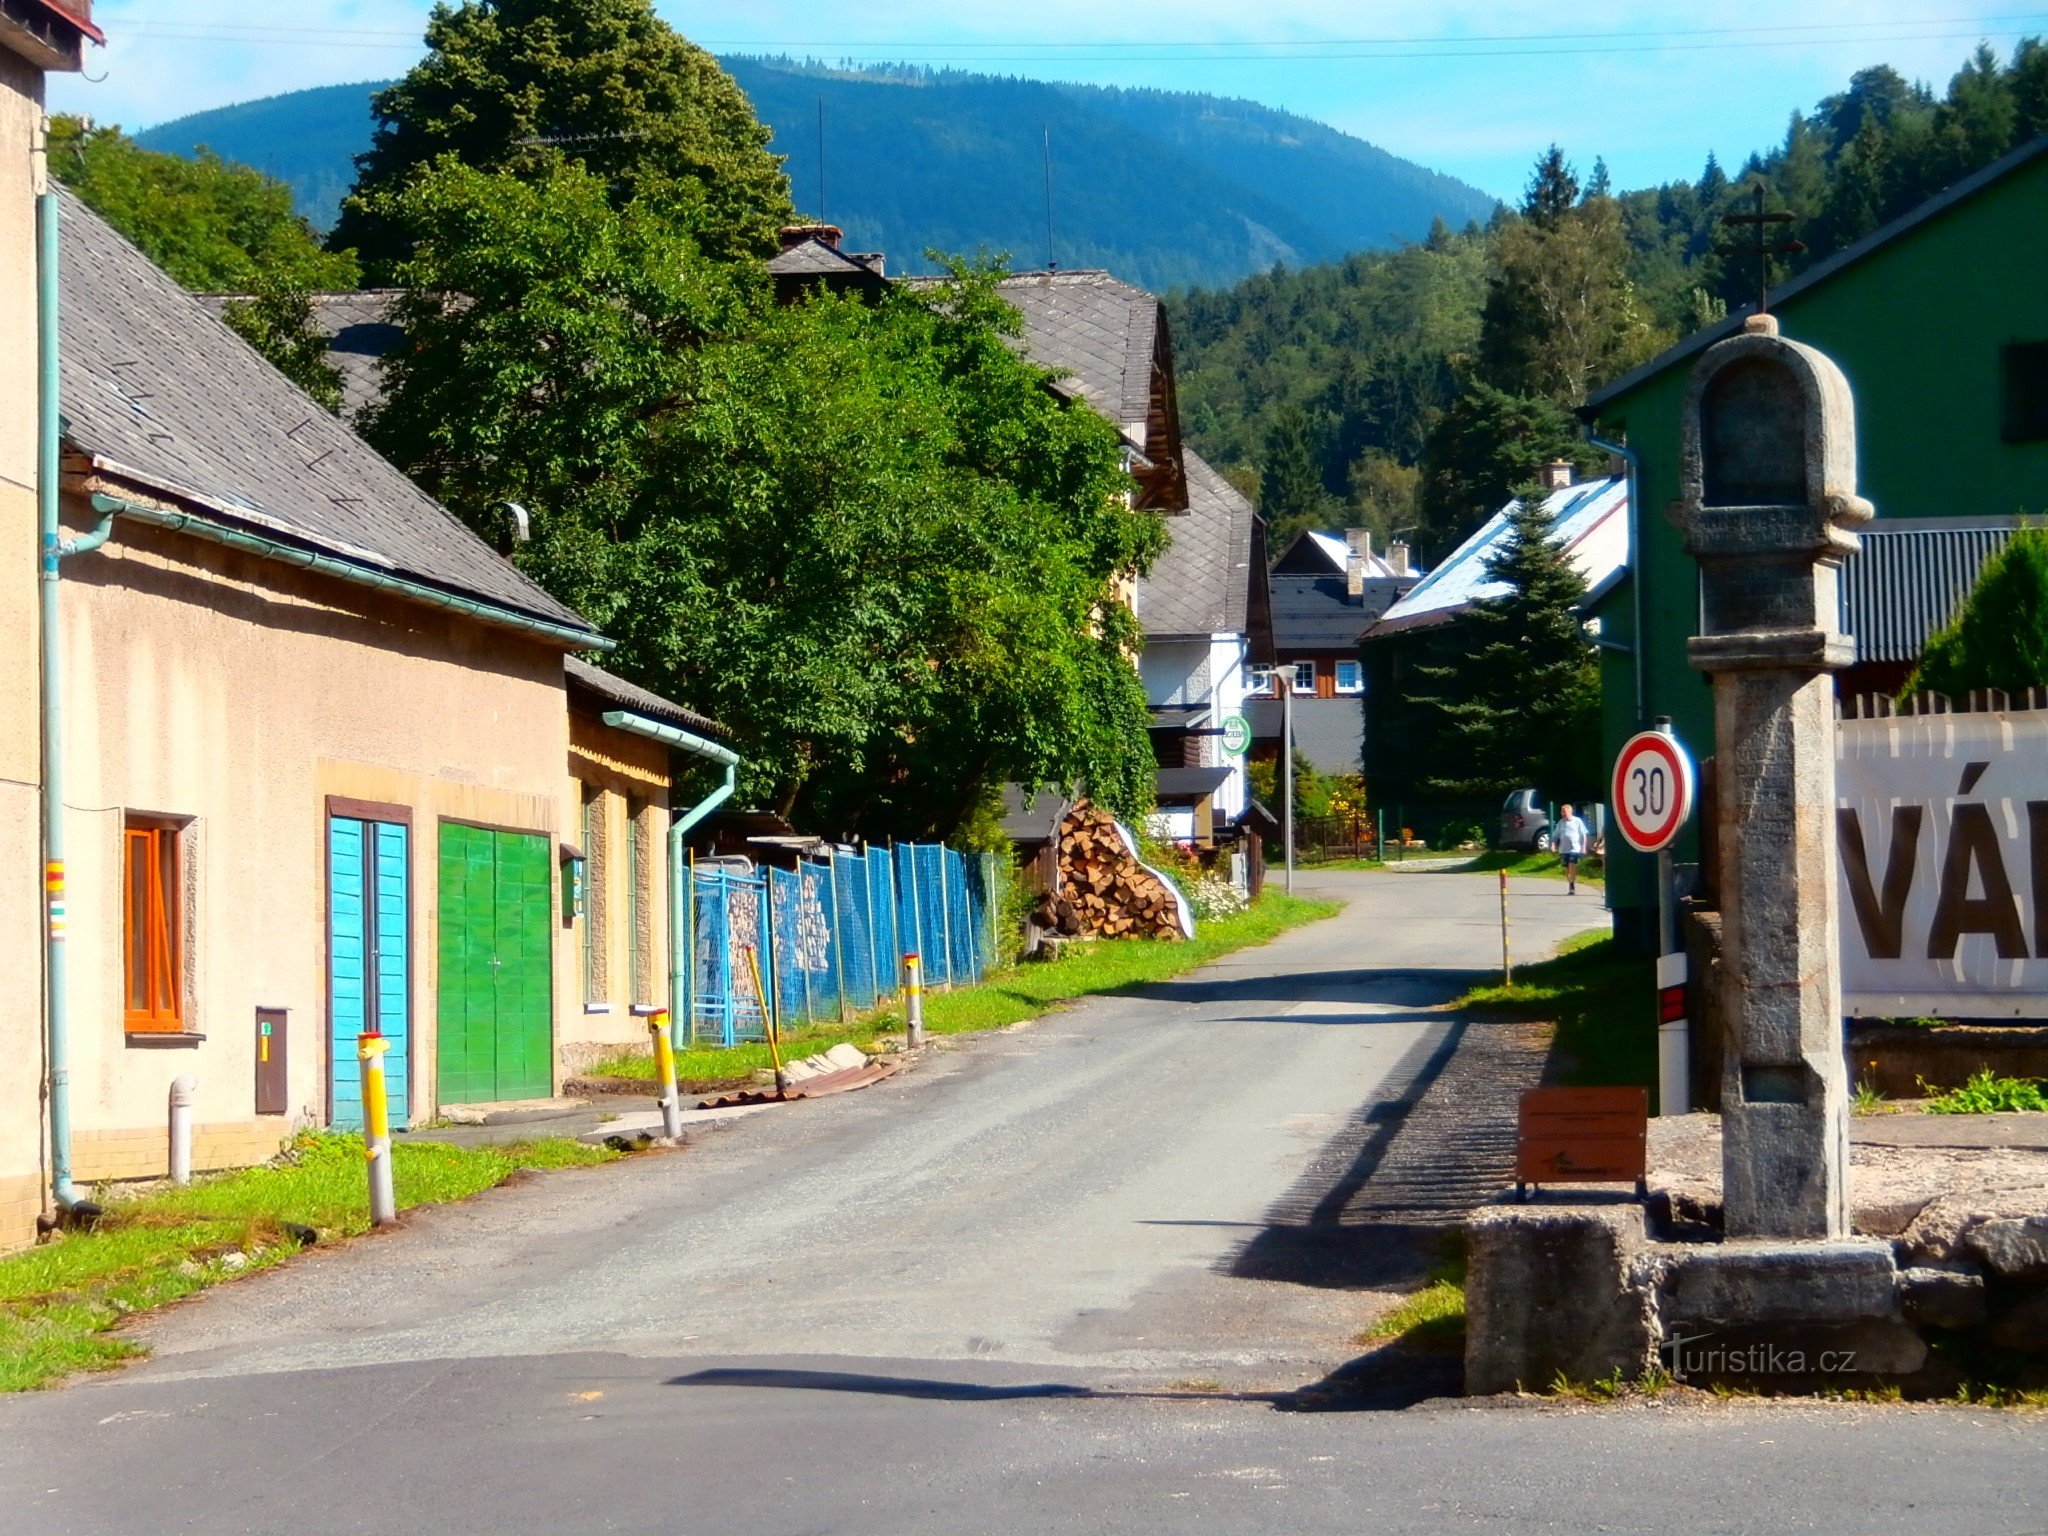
678 830
1635 556
56 1034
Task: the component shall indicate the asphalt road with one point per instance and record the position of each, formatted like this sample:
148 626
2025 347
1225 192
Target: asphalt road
1069 1278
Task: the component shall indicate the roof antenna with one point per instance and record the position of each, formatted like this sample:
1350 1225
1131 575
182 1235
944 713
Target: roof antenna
1051 262
821 161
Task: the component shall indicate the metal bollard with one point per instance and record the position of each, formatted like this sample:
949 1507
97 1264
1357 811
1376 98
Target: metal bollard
183 1090
665 1076
370 1051
913 997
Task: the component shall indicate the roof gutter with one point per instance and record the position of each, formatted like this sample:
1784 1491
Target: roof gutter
346 570
680 928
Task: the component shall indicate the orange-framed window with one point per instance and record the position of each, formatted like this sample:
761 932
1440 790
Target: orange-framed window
154 948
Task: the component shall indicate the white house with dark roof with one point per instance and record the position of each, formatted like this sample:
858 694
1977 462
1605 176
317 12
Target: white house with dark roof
325 764
1204 611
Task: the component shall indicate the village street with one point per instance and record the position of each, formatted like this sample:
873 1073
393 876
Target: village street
1067 1278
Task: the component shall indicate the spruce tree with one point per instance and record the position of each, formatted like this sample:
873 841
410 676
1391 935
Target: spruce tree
1999 639
1518 704
1291 494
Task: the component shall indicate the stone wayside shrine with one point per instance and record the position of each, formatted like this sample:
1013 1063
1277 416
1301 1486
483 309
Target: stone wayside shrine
1786 1297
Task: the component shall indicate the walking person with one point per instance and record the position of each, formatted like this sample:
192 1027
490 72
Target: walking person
1571 839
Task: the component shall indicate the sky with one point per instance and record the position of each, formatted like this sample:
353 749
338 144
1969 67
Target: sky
1476 88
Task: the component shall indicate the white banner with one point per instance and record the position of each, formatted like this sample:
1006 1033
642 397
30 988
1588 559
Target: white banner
1943 823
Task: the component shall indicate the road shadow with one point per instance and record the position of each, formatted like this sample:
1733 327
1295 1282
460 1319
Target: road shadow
1378 1382
1397 988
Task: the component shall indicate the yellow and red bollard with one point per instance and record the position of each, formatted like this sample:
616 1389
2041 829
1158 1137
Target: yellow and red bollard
913 997
665 1075
370 1051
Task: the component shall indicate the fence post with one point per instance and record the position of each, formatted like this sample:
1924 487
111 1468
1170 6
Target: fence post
802 969
686 941
764 944
946 912
838 929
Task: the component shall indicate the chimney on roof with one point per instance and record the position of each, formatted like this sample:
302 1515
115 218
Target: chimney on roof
1397 558
1356 566
794 235
1556 475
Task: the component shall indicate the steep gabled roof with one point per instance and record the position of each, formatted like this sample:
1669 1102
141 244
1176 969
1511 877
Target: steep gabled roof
1109 343
158 393
359 331
1934 208
1202 584
1590 521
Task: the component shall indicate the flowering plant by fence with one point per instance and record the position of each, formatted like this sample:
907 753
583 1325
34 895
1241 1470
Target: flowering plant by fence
836 929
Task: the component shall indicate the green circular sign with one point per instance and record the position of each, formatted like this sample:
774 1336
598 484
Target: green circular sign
1237 735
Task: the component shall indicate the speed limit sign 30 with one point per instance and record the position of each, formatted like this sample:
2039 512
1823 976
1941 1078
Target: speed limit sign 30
1653 790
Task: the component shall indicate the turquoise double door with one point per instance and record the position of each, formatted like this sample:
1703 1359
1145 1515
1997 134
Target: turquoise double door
369 978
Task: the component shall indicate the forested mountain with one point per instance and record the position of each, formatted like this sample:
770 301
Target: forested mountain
1165 189
1413 387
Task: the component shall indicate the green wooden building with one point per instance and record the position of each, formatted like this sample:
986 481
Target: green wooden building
1940 321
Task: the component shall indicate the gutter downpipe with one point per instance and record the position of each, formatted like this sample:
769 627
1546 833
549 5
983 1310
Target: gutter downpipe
56 1031
344 570
678 855
1635 547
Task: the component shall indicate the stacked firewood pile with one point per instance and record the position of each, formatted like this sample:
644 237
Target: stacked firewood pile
1103 890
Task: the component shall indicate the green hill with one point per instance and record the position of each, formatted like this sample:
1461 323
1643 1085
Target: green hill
1166 189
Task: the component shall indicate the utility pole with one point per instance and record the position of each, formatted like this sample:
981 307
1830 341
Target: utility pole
1286 683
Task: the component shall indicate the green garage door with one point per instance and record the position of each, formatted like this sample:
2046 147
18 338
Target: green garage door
496 996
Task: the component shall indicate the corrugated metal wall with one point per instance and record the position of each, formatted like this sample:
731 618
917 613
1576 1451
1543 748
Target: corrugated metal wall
1905 585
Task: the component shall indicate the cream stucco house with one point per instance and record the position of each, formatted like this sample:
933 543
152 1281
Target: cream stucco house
331 766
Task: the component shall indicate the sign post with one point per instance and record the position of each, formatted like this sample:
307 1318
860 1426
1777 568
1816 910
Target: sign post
1652 796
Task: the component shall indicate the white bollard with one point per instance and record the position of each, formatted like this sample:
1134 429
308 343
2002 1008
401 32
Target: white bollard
183 1090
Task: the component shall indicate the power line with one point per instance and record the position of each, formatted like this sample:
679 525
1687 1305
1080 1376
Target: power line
1789 35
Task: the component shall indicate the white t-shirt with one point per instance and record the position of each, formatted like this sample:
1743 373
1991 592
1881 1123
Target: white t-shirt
1571 835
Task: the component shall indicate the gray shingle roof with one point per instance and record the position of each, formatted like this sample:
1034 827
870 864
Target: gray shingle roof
1202 583
1101 334
814 258
359 331
606 690
1328 733
1318 613
155 390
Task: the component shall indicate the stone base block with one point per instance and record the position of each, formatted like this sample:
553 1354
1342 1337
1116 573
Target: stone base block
1788 1315
1548 1293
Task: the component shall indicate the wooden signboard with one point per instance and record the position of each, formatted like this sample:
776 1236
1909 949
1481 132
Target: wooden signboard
1583 1136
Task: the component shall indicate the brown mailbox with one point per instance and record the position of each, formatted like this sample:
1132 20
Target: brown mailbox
273 1091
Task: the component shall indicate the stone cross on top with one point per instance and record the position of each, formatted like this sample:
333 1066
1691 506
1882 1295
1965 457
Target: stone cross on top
1769 508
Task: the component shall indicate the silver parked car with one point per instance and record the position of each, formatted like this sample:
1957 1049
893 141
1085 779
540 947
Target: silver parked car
1525 823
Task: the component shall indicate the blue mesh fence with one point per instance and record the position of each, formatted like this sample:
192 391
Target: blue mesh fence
856 929
930 863
881 876
830 935
725 921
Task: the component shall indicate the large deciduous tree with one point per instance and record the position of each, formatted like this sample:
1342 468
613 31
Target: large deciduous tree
216 227
513 85
869 538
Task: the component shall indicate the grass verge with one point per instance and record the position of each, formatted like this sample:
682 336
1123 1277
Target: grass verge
1432 1319
1542 866
1011 996
60 1301
1604 1005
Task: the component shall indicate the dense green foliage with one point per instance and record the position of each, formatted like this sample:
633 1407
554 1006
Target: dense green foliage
513 84
1518 702
1379 354
869 539
1999 639
214 226
217 228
